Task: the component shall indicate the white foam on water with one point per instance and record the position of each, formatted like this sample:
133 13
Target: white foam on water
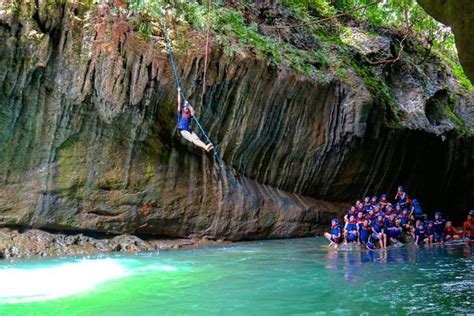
158 267
21 285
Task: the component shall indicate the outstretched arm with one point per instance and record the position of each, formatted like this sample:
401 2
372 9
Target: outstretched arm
179 99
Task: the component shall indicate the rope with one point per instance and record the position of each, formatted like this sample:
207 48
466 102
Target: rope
207 51
170 53
231 178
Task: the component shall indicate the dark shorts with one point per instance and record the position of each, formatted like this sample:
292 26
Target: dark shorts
351 237
375 237
394 233
438 237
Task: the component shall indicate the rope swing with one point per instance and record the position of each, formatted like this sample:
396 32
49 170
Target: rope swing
229 176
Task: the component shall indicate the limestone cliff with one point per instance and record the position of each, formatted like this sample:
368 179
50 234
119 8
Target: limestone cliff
459 15
88 142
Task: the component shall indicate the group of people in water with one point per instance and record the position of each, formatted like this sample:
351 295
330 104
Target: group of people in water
376 223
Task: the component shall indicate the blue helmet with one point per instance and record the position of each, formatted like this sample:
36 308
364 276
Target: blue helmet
437 213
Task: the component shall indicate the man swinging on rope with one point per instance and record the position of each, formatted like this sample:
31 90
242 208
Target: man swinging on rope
185 115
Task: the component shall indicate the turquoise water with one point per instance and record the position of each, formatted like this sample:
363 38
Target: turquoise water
266 278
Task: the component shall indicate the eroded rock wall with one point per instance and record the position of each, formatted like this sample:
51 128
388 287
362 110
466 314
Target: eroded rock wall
88 140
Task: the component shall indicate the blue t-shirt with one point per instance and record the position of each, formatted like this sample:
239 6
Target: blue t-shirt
351 227
405 220
438 226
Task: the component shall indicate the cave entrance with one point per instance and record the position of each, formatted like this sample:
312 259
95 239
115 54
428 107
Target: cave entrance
435 108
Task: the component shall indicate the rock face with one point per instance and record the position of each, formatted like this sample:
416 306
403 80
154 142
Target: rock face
88 142
25 243
459 15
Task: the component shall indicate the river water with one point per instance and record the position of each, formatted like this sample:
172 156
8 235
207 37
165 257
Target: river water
265 277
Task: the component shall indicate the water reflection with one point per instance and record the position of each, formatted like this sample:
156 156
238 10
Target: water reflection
350 261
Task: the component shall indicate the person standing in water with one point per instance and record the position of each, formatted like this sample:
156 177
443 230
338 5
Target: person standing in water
185 115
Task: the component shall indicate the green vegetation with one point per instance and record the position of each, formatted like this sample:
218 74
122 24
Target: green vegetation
239 34
461 126
327 50
458 72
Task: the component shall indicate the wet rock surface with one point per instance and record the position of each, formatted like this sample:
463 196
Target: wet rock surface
88 142
26 243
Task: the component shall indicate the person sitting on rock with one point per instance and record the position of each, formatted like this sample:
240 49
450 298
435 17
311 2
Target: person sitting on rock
185 114
365 231
374 200
429 230
378 231
420 235
335 235
352 211
438 227
450 232
367 202
383 201
394 230
401 196
351 233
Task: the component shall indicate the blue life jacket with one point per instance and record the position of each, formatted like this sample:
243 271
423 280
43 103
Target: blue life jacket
417 207
438 226
421 235
389 224
405 220
351 227
429 231
336 230
378 226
